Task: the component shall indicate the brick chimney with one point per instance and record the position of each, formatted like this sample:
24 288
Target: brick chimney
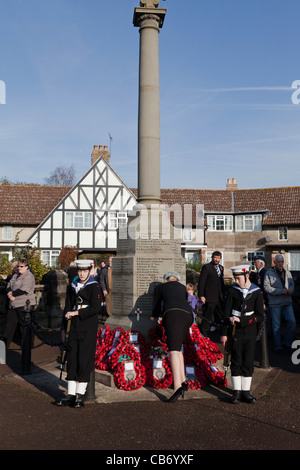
99 152
231 184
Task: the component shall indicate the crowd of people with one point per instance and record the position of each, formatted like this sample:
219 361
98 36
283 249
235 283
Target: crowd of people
238 310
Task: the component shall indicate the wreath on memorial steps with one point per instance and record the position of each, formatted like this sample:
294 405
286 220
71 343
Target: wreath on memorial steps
214 375
123 352
137 339
132 379
105 347
132 362
158 377
196 379
200 348
103 340
119 354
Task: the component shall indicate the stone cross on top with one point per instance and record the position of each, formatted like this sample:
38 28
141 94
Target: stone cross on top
149 3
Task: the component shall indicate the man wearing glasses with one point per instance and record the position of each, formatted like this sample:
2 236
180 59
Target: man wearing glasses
19 289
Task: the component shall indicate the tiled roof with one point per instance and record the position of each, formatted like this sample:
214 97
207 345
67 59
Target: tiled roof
29 205
283 204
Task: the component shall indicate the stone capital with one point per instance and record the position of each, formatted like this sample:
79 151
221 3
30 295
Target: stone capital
142 13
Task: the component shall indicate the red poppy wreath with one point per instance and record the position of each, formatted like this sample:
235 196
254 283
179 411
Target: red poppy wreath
214 375
104 353
129 375
123 352
195 377
158 372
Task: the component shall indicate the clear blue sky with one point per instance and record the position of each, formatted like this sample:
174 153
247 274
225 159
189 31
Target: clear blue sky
226 69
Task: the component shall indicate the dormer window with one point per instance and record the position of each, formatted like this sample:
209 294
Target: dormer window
220 223
248 223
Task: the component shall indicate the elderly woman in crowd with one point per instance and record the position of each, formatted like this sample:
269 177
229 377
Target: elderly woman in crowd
20 288
170 302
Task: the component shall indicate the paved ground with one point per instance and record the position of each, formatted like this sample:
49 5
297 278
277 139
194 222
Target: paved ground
119 421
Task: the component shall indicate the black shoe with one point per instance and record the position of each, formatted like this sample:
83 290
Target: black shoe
236 397
69 400
79 401
179 392
247 397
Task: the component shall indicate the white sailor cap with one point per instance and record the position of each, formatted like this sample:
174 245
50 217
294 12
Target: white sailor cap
84 263
241 269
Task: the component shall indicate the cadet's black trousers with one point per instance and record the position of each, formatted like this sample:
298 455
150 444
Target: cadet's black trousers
243 351
81 355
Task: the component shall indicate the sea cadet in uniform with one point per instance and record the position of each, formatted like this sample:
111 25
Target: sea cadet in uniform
83 302
244 309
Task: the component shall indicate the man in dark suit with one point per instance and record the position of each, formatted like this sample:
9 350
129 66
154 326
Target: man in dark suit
257 277
105 283
211 290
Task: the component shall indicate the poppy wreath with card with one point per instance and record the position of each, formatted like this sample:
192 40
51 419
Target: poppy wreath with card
214 375
111 342
137 339
129 375
158 369
123 352
195 377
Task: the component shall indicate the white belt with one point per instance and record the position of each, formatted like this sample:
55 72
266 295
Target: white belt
80 307
236 313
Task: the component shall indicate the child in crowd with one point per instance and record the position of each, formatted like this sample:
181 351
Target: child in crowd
192 299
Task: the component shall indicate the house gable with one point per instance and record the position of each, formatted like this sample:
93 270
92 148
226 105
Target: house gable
83 218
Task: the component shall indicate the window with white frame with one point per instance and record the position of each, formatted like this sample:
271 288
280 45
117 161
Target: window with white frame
78 220
7 232
50 258
220 222
282 233
117 219
248 223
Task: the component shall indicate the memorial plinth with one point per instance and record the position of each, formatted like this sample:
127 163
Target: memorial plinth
147 248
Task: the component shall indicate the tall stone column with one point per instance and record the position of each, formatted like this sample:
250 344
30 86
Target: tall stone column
148 247
149 20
